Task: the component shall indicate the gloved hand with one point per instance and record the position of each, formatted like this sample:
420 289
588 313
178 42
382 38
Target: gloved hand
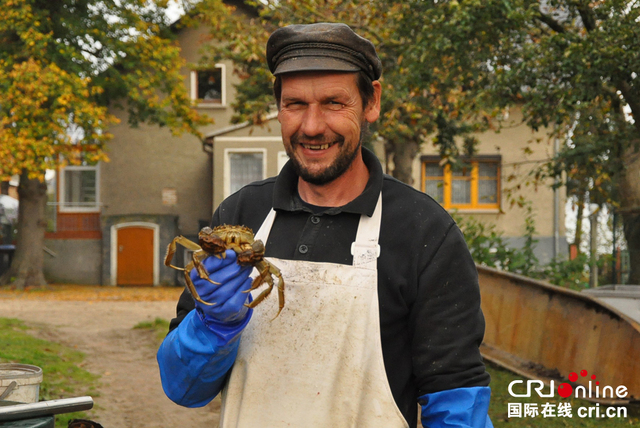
230 296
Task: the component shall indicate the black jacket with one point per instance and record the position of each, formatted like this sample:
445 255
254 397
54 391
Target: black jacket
430 318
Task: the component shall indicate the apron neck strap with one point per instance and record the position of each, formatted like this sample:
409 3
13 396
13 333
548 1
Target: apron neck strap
365 248
265 229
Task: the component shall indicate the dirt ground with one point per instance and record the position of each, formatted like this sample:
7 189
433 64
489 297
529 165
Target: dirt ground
99 321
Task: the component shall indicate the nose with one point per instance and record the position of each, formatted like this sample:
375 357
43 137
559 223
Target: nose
313 122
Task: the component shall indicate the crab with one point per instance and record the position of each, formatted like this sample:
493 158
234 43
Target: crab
214 242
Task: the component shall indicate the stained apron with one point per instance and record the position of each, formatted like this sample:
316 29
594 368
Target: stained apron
319 363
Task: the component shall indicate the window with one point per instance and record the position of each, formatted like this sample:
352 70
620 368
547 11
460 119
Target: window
283 158
79 189
208 87
243 166
474 186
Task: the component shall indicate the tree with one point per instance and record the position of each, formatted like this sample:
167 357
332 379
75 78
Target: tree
589 164
62 65
571 66
452 66
411 114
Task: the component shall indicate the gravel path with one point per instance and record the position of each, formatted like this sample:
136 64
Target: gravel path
130 394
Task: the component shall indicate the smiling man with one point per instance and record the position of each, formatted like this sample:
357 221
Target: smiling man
383 307
322 116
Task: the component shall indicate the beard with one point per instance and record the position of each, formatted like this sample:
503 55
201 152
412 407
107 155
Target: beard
338 167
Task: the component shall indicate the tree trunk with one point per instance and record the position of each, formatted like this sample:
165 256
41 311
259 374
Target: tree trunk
403 156
630 210
593 248
27 266
577 240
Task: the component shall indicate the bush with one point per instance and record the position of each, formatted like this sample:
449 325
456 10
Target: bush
489 248
567 273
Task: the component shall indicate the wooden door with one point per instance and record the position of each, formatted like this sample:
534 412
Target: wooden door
135 256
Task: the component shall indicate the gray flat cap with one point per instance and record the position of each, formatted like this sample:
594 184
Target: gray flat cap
321 47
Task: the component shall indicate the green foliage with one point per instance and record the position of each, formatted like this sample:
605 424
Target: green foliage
528 261
486 245
567 273
569 66
489 248
421 96
63 375
159 326
500 398
63 63
452 67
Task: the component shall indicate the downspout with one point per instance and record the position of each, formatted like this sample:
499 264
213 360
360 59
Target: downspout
207 147
556 205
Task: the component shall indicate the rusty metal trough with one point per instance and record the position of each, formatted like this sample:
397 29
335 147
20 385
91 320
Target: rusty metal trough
546 332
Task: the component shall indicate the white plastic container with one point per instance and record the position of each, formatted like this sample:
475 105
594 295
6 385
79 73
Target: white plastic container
27 380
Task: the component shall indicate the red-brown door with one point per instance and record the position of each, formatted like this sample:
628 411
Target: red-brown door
135 256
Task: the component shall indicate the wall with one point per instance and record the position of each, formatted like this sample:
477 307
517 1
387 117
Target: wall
522 150
155 176
147 160
535 329
167 231
267 137
76 261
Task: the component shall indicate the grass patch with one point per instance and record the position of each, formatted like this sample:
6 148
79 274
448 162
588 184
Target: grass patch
159 326
63 375
500 398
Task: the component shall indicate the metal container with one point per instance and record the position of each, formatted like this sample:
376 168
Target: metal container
20 382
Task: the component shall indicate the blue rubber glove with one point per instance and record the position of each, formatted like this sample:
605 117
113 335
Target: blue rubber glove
457 408
230 296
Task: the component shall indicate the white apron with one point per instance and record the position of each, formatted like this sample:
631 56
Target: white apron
319 364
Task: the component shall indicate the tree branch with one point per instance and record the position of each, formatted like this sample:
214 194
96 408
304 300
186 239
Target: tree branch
631 99
588 20
551 23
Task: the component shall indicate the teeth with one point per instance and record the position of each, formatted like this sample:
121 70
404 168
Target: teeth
315 147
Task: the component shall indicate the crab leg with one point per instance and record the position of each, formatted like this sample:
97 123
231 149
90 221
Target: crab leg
196 263
192 289
197 258
197 254
266 269
249 252
171 250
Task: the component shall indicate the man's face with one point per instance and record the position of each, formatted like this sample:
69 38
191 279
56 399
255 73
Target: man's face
322 117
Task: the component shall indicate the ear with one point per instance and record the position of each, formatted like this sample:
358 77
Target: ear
372 112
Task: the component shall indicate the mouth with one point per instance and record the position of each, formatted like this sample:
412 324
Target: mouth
317 146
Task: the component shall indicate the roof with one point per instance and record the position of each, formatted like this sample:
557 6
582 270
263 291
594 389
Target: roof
240 5
209 137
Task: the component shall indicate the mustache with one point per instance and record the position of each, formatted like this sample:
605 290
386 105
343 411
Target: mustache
298 138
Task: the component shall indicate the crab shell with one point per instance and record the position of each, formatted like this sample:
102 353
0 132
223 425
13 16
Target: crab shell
215 242
221 238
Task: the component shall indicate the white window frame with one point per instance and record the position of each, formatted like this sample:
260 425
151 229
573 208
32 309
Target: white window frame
283 158
63 208
227 165
223 86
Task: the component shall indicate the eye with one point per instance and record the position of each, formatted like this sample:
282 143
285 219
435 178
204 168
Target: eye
294 104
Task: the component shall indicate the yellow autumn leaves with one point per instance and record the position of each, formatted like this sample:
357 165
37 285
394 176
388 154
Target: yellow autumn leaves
39 103
63 67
